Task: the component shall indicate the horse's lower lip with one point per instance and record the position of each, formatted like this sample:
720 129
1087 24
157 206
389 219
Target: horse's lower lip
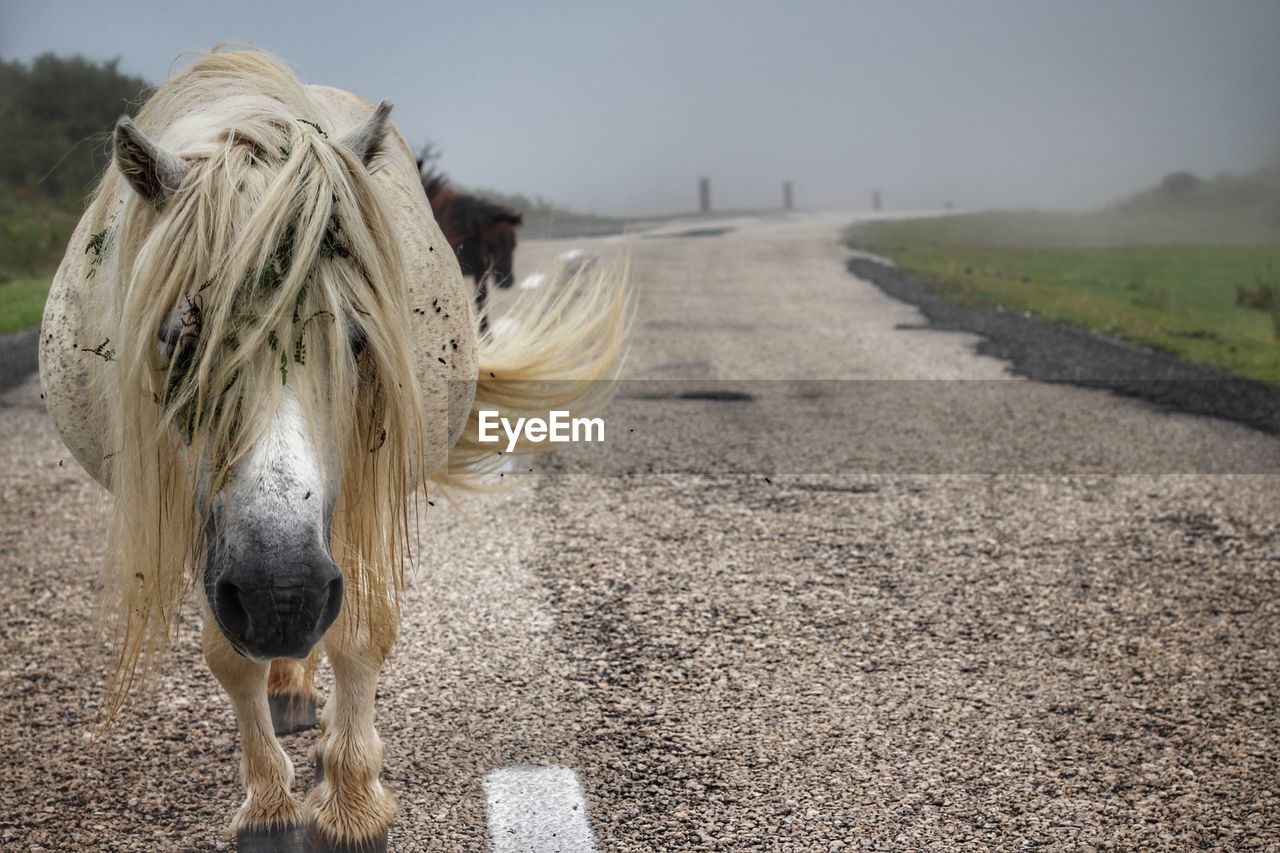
245 653
266 655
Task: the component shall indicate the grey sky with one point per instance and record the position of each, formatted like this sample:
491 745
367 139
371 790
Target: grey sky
618 108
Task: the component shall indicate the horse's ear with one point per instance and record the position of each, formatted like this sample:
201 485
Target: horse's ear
151 170
365 139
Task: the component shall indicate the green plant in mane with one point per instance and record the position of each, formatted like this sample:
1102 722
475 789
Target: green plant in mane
317 127
244 314
273 341
97 245
101 351
332 246
300 346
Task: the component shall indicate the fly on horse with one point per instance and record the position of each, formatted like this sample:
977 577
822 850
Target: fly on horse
481 233
254 343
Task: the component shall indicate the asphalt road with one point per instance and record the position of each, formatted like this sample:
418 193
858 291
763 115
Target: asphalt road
855 613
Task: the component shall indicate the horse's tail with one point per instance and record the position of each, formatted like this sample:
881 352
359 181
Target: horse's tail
558 348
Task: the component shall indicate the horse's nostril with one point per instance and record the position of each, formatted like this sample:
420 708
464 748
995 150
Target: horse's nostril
332 604
230 608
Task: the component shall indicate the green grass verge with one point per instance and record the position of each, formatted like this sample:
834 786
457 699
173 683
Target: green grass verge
33 237
22 303
1177 298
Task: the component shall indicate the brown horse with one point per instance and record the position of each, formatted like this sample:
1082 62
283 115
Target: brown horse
482 234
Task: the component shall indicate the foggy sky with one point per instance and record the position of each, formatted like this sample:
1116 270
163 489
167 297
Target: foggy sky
619 108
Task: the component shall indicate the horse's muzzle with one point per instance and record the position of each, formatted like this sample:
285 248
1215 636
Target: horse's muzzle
273 610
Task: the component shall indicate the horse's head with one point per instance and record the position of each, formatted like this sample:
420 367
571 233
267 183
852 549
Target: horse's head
270 578
277 369
498 243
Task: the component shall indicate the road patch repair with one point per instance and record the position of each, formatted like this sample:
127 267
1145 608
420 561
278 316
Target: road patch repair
691 232
537 810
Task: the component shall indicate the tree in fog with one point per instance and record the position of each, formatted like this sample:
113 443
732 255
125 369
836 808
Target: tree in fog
57 114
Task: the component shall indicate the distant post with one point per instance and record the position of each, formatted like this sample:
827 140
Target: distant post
786 195
875 200
704 195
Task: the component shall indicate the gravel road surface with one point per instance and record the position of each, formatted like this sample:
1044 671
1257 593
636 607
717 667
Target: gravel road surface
17 358
974 612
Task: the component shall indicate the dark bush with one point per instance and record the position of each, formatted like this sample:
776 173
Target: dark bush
57 114
1179 184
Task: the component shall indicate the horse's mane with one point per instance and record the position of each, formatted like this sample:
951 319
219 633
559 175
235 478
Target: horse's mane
278 241
434 182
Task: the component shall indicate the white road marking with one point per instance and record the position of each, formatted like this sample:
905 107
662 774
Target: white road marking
537 810
575 260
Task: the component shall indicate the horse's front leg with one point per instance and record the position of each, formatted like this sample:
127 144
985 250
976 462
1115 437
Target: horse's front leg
292 696
349 810
270 821
482 299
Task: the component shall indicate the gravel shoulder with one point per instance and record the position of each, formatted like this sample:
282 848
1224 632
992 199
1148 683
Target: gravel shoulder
1054 353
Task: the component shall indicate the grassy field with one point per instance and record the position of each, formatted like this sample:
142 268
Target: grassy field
1177 298
33 235
22 303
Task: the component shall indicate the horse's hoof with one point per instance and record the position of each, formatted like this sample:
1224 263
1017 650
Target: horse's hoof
278 839
317 842
292 712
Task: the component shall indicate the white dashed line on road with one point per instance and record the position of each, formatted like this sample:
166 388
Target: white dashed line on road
575 260
537 810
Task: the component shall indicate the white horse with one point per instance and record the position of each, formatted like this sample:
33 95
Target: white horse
260 343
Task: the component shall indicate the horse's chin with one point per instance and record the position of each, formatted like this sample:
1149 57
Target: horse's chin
267 656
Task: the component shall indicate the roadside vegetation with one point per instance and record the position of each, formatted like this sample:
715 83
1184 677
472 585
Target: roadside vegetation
1191 268
22 303
546 220
56 114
